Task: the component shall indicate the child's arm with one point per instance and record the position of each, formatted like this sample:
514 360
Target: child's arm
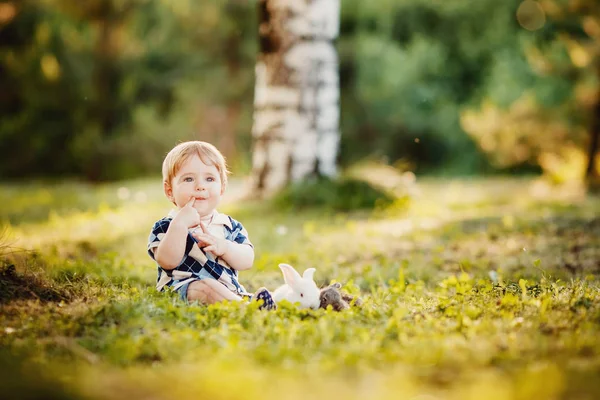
237 256
171 248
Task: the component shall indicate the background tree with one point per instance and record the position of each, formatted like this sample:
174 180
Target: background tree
222 34
296 103
410 67
553 120
102 89
69 95
578 25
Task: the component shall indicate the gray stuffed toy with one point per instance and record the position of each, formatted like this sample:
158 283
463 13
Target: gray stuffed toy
331 295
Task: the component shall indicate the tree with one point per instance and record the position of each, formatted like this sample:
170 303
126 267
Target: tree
576 26
408 68
579 24
73 75
296 115
114 93
224 32
555 122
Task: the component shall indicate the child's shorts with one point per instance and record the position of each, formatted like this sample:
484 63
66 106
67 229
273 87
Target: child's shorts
183 289
262 294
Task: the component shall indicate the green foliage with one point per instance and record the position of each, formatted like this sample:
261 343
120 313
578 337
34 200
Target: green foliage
553 69
344 194
111 104
416 65
71 94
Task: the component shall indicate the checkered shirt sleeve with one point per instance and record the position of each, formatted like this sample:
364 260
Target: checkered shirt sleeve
159 230
237 233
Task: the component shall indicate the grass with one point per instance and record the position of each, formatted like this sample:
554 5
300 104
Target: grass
479 289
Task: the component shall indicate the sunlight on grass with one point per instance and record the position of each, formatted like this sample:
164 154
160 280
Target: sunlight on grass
479 289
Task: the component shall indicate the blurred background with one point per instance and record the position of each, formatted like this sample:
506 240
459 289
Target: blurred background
101 89
473 286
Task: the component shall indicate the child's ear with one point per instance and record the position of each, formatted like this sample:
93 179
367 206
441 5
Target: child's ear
168 191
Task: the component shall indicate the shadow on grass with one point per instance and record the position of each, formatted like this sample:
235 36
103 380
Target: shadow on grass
19 286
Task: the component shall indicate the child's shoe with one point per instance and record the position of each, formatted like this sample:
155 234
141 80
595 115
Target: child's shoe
264 295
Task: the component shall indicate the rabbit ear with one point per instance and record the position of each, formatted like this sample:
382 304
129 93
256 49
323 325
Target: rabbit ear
336 285
308 274
290 275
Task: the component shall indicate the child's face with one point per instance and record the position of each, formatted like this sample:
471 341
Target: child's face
199 181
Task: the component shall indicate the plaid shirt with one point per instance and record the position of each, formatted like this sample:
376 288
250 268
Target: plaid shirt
197 263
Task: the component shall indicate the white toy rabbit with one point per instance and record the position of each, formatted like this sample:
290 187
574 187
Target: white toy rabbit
298 289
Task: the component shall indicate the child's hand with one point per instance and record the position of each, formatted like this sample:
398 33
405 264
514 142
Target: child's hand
209 242
188 215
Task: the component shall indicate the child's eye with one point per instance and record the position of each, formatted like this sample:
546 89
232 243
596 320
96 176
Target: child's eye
210 179
188 179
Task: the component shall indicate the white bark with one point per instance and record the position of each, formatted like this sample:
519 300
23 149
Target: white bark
296 117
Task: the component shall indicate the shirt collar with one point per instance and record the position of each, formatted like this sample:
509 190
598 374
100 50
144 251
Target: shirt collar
221 219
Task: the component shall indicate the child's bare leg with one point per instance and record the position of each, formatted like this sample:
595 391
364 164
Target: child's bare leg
209 291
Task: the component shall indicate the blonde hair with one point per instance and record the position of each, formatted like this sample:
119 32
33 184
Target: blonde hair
208 153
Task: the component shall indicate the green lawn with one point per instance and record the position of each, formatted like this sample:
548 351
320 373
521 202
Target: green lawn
480 289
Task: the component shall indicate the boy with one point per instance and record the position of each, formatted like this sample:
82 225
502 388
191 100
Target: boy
199 251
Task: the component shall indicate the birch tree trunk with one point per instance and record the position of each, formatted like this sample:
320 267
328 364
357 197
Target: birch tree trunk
296 104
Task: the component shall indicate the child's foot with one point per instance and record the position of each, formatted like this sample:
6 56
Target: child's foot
264 295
